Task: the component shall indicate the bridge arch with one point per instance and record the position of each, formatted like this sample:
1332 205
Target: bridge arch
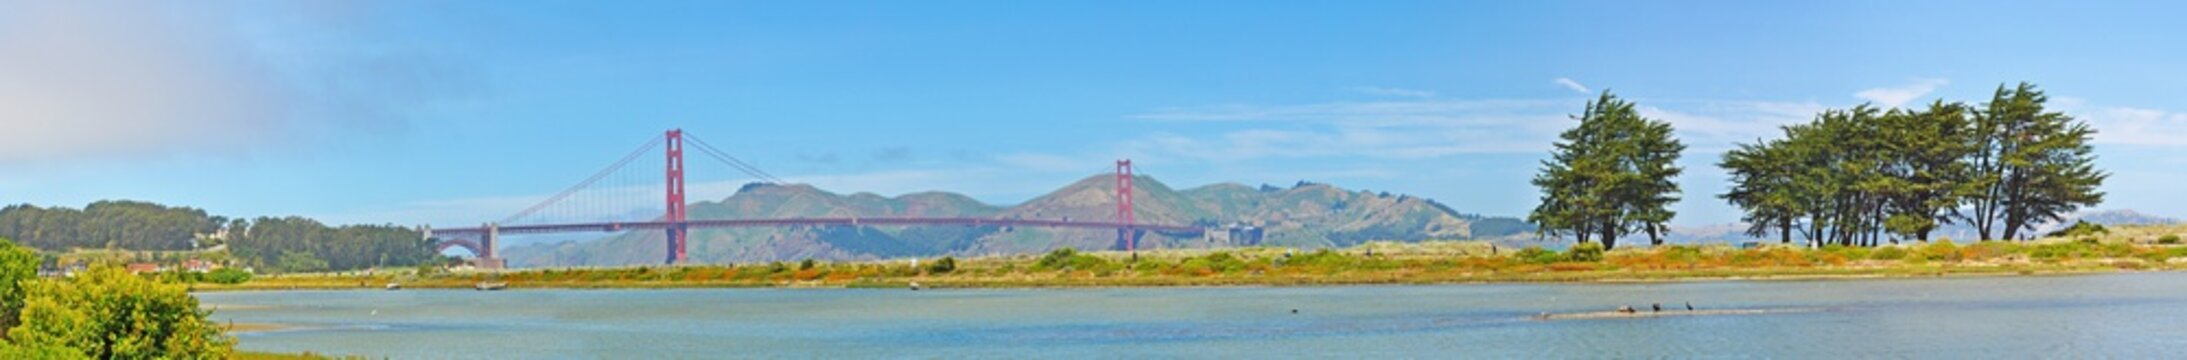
476 249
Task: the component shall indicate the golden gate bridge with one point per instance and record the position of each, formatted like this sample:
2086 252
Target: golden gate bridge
568 211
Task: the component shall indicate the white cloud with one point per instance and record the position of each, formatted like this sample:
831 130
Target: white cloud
103 79
2136 126
1568 83
1896 96
1387 91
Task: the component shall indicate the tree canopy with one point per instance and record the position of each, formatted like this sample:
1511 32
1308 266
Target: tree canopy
279 244
1855 176
1610 175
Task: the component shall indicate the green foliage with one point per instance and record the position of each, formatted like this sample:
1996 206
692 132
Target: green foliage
1887 253
1322 258
1068 259
2080 229
110 313
2168 239
129 225
2032 165
1216 262
1537 255
227 276
1849 177
1584 252
269 242
807 264
297 261
17 265
43 352
1609 175
944 265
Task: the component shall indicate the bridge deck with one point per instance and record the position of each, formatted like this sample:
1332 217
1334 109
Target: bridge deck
873 221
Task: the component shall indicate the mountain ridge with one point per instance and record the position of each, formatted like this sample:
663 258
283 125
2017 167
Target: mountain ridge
1305 215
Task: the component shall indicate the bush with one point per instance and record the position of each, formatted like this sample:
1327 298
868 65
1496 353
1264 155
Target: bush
229 276
1584 252
48 352
807 264
1887 253
17 265
2168 239
1067 259
943 266
1537 255
2080 228
109 313
1940 250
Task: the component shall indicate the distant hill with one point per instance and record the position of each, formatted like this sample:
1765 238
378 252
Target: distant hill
1304 215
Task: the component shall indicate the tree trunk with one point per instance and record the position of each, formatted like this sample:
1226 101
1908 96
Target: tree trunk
1655 237
1609 236
1784 230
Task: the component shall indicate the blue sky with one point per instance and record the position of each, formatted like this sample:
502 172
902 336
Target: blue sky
462 112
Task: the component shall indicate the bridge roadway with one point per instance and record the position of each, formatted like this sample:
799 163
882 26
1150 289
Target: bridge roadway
851 221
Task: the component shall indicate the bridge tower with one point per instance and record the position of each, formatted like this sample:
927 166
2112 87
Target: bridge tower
1125 235
678 232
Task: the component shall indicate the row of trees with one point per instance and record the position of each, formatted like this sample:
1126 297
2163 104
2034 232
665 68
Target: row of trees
288 244
296 244
129 225
1856 176
1849 177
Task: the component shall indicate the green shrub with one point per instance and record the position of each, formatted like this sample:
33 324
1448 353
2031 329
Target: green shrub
808 264
1887 253
2080 228
228 276
1067 259
109 313
46 352
943 266
18 265
1584 252
1537 255
2168 239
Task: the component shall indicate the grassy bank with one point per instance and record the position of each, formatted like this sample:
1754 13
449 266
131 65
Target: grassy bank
1373 263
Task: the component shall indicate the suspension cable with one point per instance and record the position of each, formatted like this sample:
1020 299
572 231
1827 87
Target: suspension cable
618 165
732 161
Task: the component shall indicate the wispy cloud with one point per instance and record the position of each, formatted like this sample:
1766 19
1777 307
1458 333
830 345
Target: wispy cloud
2137 126
1389 91
1897 96
1568 83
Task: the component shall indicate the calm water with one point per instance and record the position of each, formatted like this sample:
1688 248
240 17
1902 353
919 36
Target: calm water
2129 316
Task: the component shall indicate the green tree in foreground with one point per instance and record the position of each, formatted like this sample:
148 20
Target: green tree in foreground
1852 176
1610 176
17 265
2033 165
109 313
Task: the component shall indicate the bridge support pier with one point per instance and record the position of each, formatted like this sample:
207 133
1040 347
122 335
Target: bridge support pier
488 245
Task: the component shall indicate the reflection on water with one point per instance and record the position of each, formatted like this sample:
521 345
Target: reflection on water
2129 315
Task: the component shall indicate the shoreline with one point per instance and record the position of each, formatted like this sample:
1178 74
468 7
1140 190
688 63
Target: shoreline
1379 263
1640 277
